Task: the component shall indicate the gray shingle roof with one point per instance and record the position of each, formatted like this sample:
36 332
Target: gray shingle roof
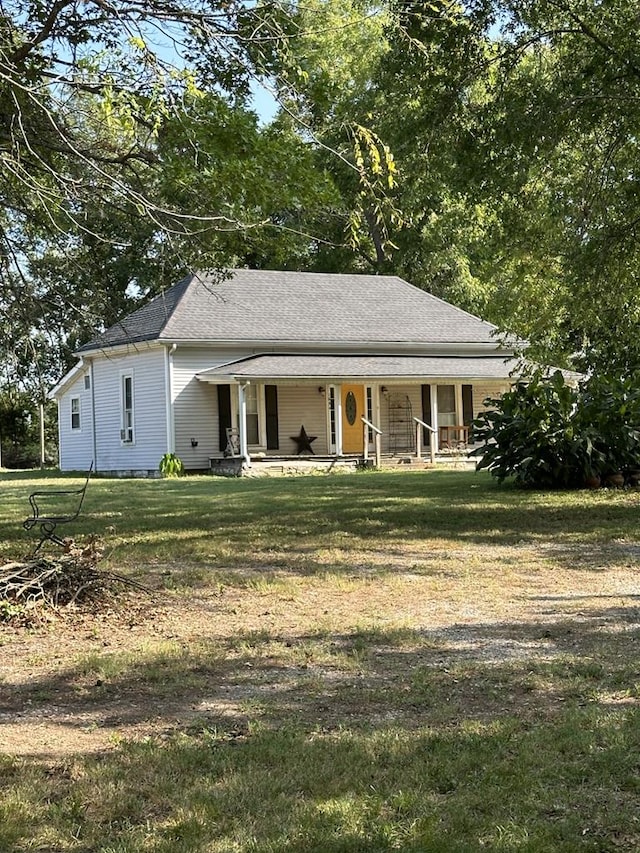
256 305
144 324
382 367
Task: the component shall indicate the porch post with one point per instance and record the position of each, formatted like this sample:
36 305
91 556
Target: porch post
338 411
434 416
244 447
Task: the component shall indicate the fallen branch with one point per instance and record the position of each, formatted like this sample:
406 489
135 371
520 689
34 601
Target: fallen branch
71 579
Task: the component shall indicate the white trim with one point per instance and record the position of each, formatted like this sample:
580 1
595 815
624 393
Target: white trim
67 379
448 412
60 425
430 348
261 412
377 402
72 400
125 429
107 352
458 392
434 411
168 391
338 411
94 437
240 379
244 449
236 419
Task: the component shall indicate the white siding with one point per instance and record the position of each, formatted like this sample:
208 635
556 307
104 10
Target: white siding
149 405
76 445
196 403
301 405
195 427
484 390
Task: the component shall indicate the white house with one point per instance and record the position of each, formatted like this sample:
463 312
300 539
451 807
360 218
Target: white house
264 364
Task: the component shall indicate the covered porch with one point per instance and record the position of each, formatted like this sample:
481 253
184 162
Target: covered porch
339 408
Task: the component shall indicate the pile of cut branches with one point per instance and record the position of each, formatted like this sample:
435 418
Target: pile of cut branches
70 579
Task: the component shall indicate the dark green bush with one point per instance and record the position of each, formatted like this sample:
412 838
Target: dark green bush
546 433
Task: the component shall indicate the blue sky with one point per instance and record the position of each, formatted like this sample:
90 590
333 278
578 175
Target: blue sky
263 102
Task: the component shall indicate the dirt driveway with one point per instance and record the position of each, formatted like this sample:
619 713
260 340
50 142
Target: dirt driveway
277 644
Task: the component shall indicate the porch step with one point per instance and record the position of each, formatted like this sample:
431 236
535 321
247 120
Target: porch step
408 460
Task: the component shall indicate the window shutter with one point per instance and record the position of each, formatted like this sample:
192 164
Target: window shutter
426 413
271 412
467 404
224 415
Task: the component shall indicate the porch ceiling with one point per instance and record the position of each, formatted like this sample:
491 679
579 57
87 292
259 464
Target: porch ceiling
383 368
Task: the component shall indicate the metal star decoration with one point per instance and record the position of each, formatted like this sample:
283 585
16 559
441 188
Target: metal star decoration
304 441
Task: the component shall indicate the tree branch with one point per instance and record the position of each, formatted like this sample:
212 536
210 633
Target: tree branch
24 50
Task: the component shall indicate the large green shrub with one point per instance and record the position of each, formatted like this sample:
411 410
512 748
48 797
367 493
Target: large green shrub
609 411
546 433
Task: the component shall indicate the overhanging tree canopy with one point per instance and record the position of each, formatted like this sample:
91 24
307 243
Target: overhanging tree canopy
513 123
127 126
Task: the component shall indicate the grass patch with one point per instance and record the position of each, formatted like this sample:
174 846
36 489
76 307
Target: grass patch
421 662
315 523
463 788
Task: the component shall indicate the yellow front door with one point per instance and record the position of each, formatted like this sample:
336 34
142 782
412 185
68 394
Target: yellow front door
352 413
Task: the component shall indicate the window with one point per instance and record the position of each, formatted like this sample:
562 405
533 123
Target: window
332 416
251 399
126 431
447 405
75 413
87 382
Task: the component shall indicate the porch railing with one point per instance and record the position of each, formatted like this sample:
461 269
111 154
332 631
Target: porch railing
432 439
377 432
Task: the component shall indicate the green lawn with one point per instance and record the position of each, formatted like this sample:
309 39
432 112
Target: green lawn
411 661
284 522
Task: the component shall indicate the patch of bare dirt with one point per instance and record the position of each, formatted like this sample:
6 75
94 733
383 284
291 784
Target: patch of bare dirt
206 656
